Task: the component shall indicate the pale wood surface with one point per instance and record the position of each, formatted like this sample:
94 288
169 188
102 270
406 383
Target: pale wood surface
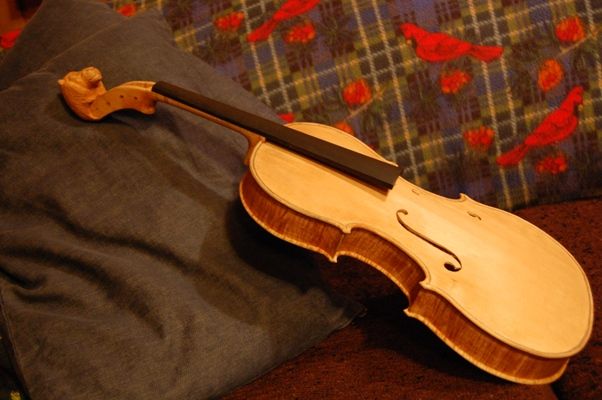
87 96
495 288
515 281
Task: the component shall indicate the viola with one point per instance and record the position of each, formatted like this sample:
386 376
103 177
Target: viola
498 290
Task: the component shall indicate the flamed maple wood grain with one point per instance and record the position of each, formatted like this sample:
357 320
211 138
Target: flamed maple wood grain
479 347
473 343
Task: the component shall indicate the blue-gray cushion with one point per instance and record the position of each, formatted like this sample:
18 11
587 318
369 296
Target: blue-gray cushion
128 266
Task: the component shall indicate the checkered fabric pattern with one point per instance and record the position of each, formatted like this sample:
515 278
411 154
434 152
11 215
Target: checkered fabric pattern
349 63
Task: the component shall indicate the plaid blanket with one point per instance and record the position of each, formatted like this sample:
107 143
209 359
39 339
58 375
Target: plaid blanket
500 100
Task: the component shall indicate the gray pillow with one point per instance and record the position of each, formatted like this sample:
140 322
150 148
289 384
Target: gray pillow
56 26
129 269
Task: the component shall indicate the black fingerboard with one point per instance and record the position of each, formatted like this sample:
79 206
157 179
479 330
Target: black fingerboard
368 169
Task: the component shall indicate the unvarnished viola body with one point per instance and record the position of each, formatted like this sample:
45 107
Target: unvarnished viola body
495 288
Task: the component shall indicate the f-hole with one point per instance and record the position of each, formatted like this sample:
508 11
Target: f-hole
453 267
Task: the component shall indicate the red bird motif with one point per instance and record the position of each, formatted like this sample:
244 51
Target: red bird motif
288 10
438 47
557 126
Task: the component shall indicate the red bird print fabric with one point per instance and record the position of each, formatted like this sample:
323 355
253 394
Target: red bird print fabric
465 95
288 10
439 47
557 126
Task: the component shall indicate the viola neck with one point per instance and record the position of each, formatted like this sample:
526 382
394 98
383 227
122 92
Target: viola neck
369 170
